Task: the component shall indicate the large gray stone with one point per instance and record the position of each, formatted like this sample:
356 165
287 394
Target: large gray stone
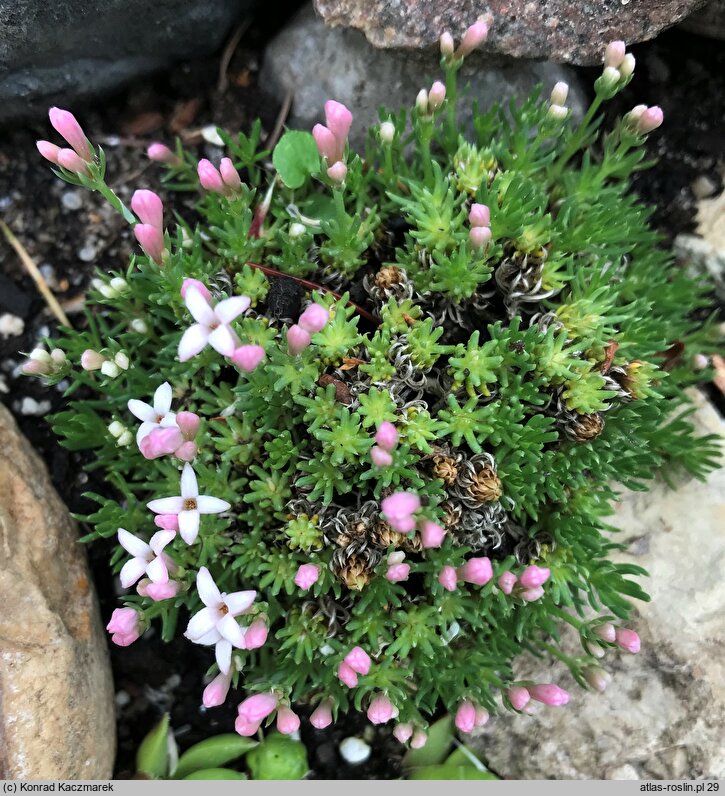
317 63
63 50
574 31
663 716
709 21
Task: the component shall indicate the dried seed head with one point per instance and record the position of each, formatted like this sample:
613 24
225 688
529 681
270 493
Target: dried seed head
354 565
388 276
445 468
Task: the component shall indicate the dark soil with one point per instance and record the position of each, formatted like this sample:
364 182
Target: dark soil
68 232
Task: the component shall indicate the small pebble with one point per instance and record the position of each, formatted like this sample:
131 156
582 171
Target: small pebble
29 406
703 186
87 254
122 699
354 751
11 325
3 385
72 200
49 275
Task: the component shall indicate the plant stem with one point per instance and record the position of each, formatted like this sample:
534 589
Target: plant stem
577 139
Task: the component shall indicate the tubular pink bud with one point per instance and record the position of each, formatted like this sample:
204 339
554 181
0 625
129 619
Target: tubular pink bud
326 143
247 357
66 124
627 640
398 509
307 575
189 423
380 457
160 442
159 591
479 215
48 151
597 678
381 710
124 626
650 120
148 207
403 732
477 571
506 582
216 692
466 716
419 739
287 721
447 45
531 595
229 174
614 54
297 339
397 573
91 360
519 697
339 121
358 660
431 534
209 177
337 172
387 435
314 319
472 38
534 576
256 635
245 727
167 522
151 240
448 578
256 708
479 237
436 95
606 632
347 675
186 451
33 367
549 694
482 716
195 283
71 161
162 154
322 715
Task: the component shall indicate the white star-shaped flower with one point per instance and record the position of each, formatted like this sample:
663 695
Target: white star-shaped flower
157 416
148 558
212 325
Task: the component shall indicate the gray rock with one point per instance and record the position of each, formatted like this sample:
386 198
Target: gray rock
53 52
573 31
709 21
663 715
317 63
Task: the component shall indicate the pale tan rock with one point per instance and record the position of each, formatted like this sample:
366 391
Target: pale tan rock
56 691
663 716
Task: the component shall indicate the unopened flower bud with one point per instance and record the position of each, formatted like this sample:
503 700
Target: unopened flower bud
610 78
124 626
347 675
531 595
139 326
387 435
419 739
209 177
358 660
700 362
558 112
436 96
48 151
447 45
549 694
91 360
477 571
594 650
381 710
110 369
149 208
216 692
380 457
479 237
534 576
256 708
482 716
66 125
627 640
506 582
296 230
307 575
559 93
247 357
397 573
614 54
626 68
230 175
116 428
322 715
597 678
606 632
337 172
314 318
387 132
518 696
472 38
297 339
197 285
122 360
57 355
466 716
421 101
125 439
403 732
650 120
162 154
287 721
398 510
72 162
151 240
448 578
431 534
479 215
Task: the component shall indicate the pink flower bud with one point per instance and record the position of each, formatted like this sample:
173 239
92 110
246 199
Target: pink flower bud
160 442
387 435
381 710
66 124
532 595
163 591
216 692
436 95
403 732
314 318
307 575
91 360
326 143
398 509
472 38
209 177
347 674
287 721
479 237
148 207
124 626
188 423
397 573
650 120
229 174
168 522
477 571
419 739
256 635
479 215
151 240
606 632
71 161
358 660
466 716
506 582
448 578
534 576
337 172
614 54
339 121
187 451
380 457
195 283
447 45
322 715
256 708
48 151
297 340
518 696
245 727
597 678
431 534
627 640
247 357
482 716
162 154
549 694
34 367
